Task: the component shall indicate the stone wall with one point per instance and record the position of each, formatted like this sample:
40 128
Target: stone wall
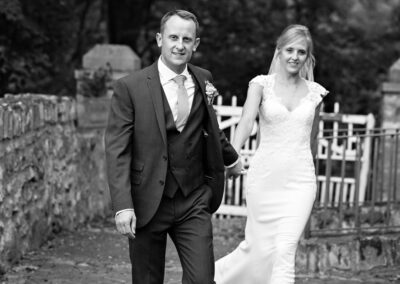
347 256
51 173
346 253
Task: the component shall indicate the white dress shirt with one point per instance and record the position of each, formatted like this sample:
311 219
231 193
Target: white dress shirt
170 87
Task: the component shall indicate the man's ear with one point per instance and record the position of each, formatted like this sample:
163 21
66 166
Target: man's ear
196 43
159 39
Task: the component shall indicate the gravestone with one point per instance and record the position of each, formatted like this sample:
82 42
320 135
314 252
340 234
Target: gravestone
103 64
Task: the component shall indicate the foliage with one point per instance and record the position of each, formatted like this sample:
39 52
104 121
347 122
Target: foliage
26 43
232 47
354 49
238 48
356 41
41 43
96 83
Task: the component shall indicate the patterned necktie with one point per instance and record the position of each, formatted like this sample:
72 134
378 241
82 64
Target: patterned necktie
183 103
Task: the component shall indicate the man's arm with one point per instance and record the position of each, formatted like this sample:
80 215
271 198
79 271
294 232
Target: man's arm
231 158
118 138
235 169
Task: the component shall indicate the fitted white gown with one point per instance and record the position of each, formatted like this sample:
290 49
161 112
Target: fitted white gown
281 188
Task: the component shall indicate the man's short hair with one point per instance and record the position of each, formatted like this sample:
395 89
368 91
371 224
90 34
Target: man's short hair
182 14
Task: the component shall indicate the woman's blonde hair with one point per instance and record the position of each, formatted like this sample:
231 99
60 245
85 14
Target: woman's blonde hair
289 35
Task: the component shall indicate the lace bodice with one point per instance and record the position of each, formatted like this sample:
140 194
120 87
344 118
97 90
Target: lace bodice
284 131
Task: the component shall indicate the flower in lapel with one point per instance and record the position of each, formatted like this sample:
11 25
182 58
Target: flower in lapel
211 92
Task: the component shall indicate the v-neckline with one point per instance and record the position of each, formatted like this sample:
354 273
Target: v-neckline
279 99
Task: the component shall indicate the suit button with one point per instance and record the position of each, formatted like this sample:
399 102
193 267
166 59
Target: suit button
165 158
161 182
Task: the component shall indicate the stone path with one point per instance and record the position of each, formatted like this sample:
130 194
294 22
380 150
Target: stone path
98 254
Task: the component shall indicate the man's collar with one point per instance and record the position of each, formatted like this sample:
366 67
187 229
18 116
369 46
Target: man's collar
167 74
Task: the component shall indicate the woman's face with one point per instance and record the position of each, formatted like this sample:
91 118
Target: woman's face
293 56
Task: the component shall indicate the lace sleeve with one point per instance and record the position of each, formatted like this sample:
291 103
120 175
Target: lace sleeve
318 92
260 80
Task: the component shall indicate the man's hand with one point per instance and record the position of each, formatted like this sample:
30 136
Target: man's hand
235 171
126 223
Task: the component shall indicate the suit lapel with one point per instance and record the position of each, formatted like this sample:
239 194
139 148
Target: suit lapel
155 90
198 76
213 145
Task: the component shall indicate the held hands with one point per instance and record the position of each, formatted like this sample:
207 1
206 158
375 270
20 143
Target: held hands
235 171
126 223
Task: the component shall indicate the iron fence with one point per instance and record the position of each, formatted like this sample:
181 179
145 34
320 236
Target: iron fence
358 185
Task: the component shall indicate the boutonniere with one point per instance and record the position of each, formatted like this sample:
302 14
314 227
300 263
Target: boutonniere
211 92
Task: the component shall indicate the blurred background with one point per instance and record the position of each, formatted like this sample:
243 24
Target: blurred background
42 42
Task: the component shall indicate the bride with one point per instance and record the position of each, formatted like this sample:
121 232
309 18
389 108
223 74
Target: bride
281 183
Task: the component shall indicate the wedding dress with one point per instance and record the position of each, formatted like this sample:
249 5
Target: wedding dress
280 191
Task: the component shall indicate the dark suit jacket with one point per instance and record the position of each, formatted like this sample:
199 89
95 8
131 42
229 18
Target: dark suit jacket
136 144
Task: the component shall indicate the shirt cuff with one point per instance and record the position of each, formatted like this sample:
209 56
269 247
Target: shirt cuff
234 164
123 210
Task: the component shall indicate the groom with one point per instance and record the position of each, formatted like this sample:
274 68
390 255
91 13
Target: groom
166 156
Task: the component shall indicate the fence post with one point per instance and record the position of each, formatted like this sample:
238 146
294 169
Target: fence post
391 112
357 185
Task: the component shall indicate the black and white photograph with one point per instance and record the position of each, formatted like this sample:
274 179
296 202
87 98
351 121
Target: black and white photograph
199 142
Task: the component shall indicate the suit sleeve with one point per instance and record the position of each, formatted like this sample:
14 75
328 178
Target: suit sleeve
118 137
228 152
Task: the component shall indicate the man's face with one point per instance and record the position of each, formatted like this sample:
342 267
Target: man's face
177 43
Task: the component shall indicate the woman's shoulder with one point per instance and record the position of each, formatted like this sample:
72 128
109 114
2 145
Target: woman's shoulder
317 89
262 80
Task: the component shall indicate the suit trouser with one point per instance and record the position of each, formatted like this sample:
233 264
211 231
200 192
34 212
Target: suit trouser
187 220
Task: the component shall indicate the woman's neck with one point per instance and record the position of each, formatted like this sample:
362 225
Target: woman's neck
288 79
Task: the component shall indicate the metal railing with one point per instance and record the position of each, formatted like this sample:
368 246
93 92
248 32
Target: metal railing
347 204
357 172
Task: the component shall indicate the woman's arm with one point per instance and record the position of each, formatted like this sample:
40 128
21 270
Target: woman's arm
314 132
249 114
